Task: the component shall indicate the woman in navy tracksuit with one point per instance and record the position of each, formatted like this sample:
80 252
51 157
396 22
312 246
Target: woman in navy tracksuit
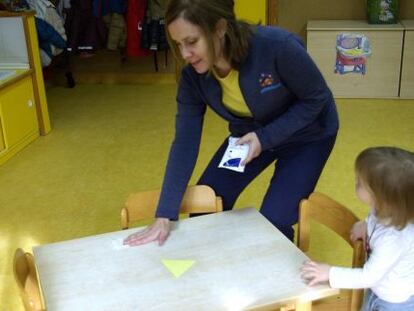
291 117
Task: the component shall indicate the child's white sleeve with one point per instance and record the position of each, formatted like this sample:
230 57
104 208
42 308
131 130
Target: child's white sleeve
386 252
340 277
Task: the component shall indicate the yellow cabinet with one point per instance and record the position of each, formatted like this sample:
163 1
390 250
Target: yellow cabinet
23 106
254 13
18 113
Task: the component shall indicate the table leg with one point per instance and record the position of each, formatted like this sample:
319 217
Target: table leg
304 306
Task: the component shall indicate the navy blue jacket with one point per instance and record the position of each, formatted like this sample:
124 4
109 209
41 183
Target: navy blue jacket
48 36
284 90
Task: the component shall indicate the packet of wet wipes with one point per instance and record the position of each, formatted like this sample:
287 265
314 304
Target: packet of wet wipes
234 156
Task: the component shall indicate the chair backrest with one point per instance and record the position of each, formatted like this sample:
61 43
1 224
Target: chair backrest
142 205
26 278
339 219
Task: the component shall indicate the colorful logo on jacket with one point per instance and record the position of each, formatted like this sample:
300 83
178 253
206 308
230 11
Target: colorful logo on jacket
267 84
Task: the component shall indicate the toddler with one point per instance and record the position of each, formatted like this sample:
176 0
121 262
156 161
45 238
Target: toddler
385 182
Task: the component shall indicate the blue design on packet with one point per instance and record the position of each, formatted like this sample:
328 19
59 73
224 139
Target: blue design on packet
232 162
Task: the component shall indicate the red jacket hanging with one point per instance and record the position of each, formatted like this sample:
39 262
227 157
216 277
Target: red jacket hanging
135 20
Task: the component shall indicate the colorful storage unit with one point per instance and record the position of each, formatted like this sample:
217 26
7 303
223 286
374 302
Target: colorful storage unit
23 106
380 74
407 74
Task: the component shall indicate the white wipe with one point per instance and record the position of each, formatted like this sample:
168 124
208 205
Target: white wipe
118 243
234 156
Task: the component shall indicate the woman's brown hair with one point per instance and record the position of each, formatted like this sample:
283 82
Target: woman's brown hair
389 174
206 14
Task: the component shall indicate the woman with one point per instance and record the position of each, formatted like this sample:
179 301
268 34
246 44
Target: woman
260 80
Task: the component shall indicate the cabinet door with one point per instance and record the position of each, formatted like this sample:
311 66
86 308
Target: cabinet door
382 76
407 76
18 112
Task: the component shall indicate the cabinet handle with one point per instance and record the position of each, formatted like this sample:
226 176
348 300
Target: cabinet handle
30 103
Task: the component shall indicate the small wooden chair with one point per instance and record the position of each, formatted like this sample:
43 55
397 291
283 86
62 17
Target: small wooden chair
339 219
26 278
142 205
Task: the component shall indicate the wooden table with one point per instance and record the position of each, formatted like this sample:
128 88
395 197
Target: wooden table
241 262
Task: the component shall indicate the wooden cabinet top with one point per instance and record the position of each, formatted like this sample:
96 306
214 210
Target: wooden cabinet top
408 24
350 25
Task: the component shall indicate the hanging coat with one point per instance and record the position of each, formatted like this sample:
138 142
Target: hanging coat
135 21
85 32
153 33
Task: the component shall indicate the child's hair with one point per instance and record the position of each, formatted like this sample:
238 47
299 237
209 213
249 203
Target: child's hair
389 174
205 14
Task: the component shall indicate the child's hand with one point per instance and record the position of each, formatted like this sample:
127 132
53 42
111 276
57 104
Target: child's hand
314 273
359 231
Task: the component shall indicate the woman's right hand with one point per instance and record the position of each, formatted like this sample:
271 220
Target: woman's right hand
359 231
158 231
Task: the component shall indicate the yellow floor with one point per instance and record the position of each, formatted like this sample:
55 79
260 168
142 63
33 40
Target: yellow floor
111 140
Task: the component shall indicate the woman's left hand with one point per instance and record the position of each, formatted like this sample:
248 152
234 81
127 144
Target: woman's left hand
255 147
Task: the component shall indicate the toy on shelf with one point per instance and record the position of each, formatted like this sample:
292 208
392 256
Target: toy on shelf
382 11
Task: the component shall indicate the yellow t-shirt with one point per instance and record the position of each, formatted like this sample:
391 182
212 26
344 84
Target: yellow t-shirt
232 97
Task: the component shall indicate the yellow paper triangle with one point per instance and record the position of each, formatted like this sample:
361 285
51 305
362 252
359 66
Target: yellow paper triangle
177 267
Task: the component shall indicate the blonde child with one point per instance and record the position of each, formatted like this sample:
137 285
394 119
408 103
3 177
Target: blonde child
385 182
